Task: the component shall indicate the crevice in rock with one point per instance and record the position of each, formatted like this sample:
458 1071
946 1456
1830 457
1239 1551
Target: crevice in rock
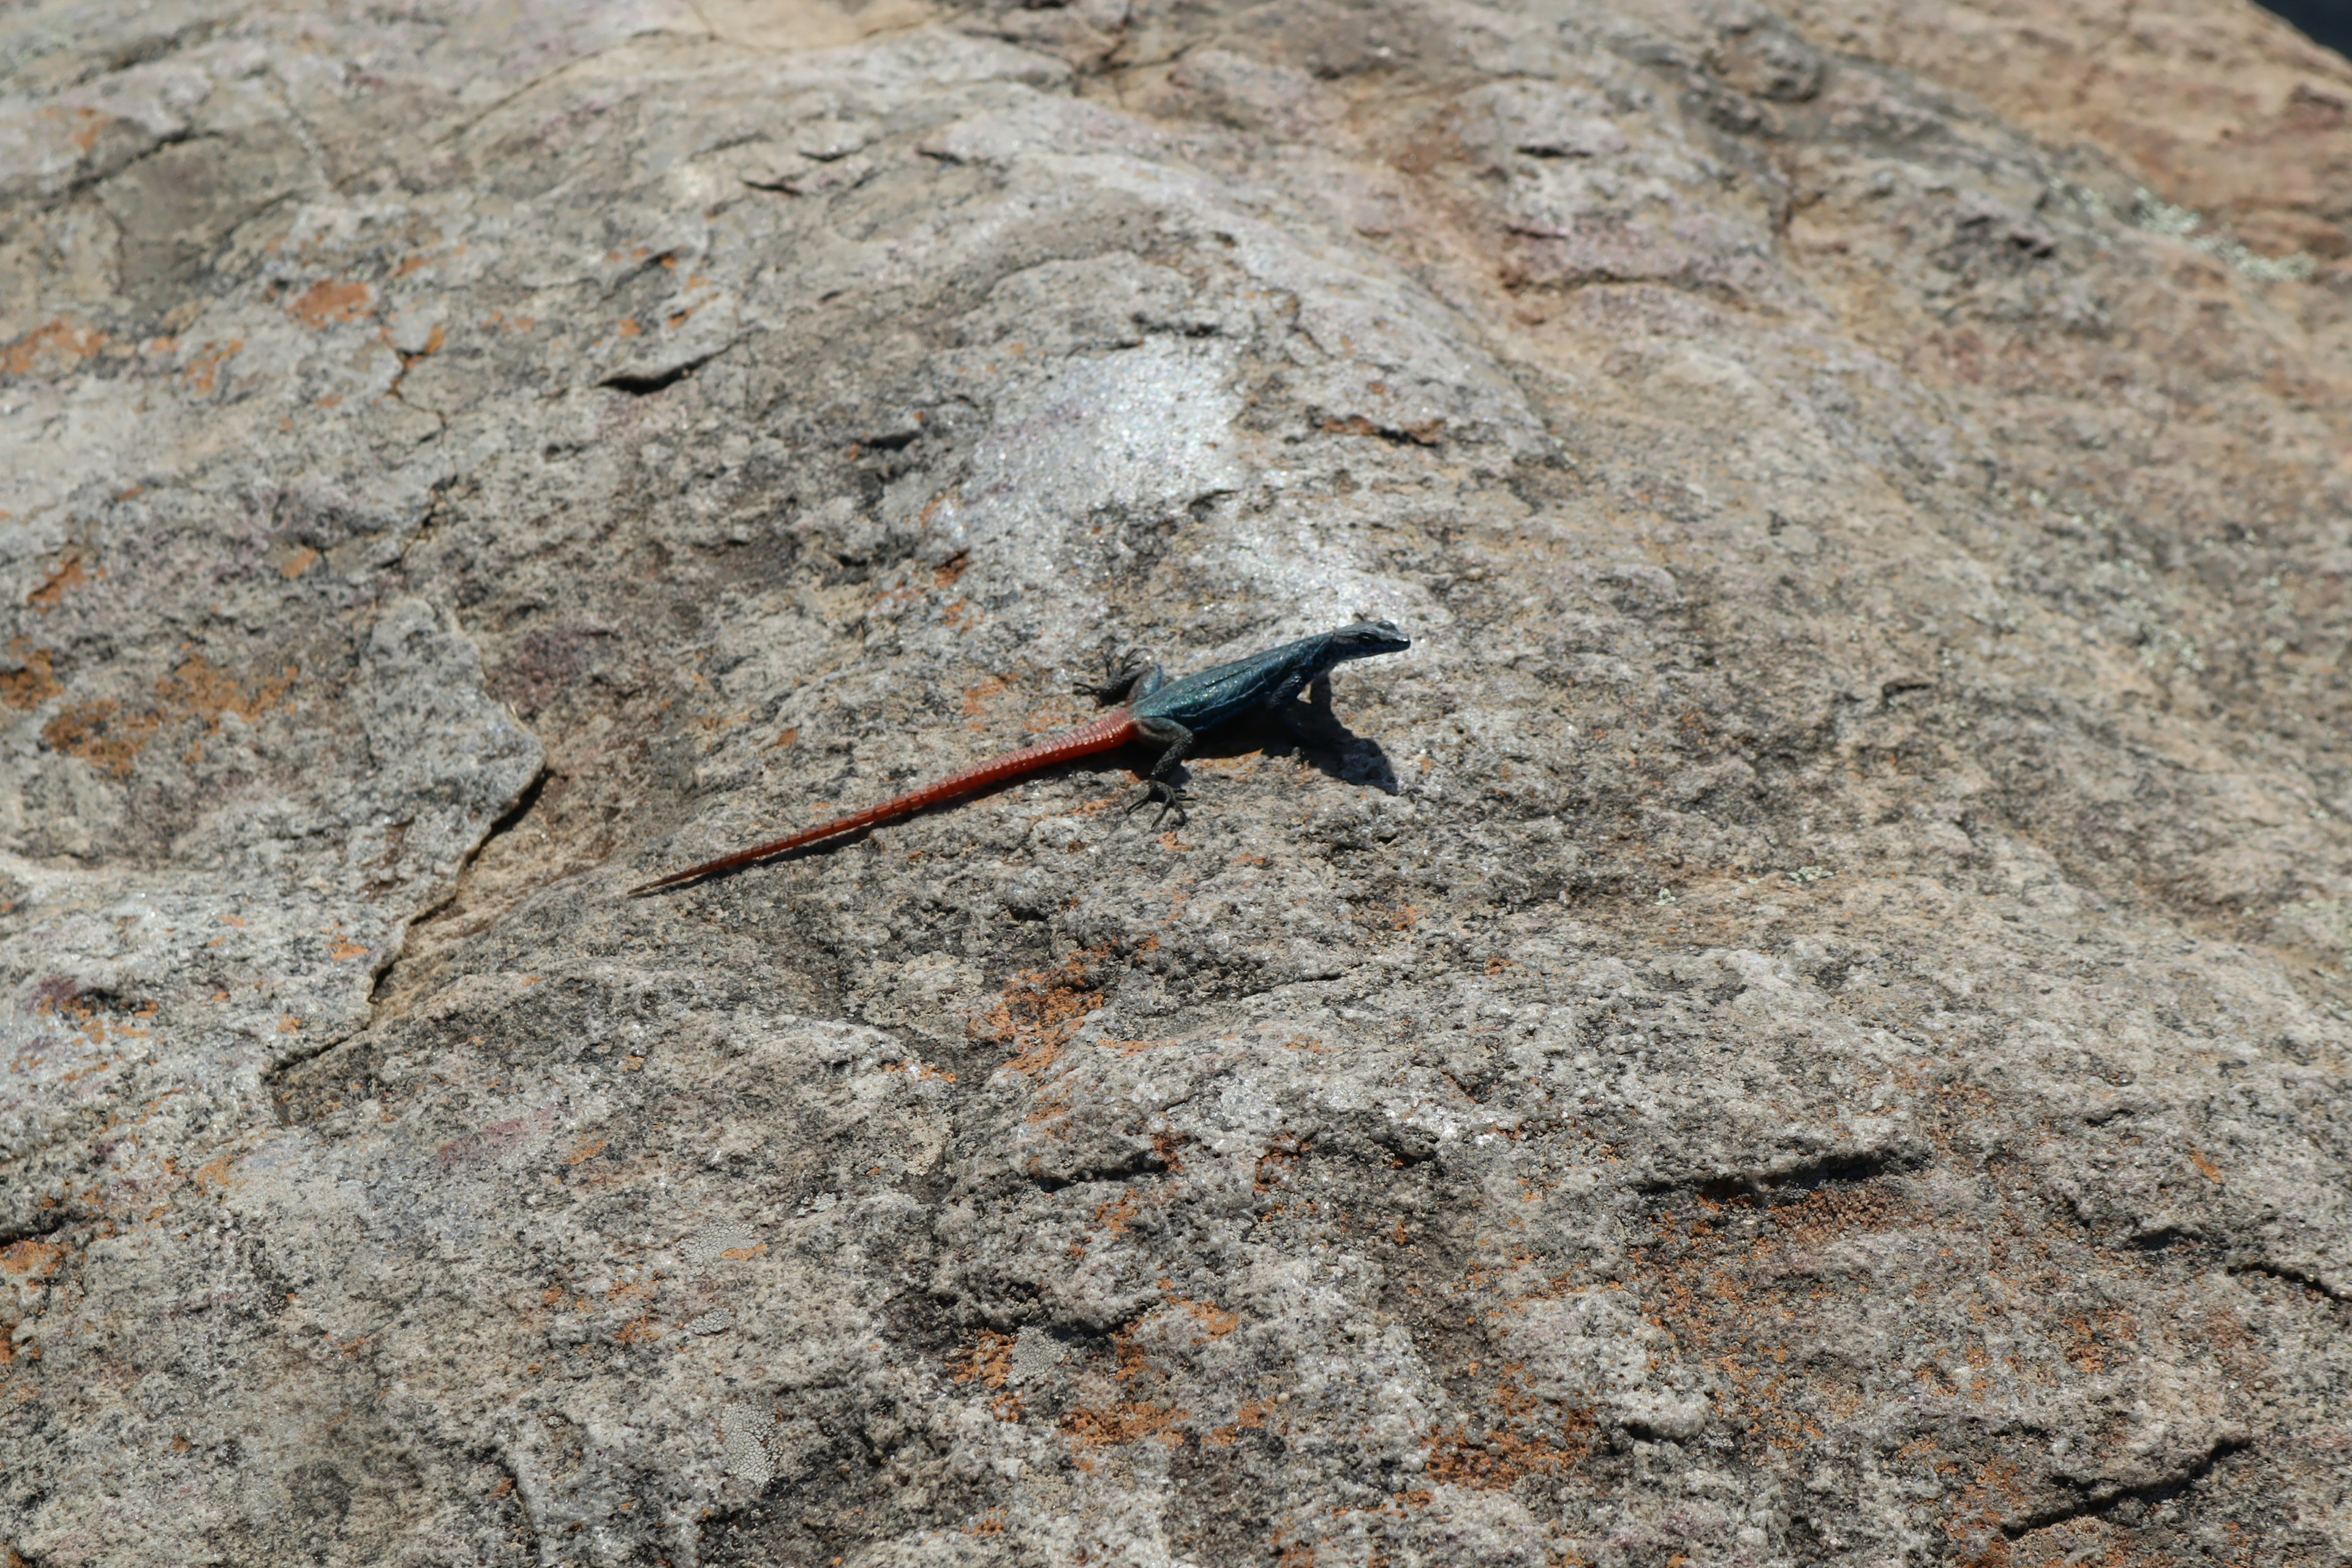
1145 1165
506 822
1759 1185
2100 1503
149 49
50 1223
279 1068
511 817
2311 1283
647 385
1426 433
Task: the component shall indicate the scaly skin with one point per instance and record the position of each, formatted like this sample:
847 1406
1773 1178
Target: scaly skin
1169 714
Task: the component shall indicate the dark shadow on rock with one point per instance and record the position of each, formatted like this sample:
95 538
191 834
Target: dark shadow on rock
1311 730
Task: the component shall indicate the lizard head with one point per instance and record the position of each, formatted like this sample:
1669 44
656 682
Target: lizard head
1363 640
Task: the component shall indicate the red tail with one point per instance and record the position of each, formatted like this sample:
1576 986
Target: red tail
1110 731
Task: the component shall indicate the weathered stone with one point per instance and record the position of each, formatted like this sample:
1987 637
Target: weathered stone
1804 1021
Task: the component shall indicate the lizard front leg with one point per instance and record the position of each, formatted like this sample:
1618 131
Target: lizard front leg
1129 679
1176 739
1308 723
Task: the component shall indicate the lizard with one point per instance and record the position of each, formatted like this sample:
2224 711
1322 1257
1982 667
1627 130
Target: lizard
1151 709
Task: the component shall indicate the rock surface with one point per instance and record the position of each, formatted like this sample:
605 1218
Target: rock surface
1804 1022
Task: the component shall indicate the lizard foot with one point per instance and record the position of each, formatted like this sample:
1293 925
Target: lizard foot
1119 679
1158 790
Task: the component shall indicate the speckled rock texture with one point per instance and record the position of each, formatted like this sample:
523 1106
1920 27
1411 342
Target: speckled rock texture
1804 1022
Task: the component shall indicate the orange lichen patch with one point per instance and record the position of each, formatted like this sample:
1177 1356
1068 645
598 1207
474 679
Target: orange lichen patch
1251 1417
325 304
1125 1423
988 1361
94 1021
587 1152
93 732
1213 1320
1504 1455
989 1523
32 683
1039 1012
101 734
2092 1338
976 699
66 574
1034 1059
1133 1360
1114 1217
203 368
298 563
90 125
2212 1171
203 689
48 349
1994 1497
1165 1145
1132 1047
342 948
31 1260
1273 1166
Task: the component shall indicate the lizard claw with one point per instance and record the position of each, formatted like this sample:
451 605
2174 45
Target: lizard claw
1156 789
1119 677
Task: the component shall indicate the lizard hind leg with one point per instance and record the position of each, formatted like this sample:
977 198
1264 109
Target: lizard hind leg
1175 740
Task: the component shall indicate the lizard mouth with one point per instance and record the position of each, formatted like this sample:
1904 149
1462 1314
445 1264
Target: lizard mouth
1372 636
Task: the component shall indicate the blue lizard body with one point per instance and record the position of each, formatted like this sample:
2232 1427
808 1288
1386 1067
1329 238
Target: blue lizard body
1172 713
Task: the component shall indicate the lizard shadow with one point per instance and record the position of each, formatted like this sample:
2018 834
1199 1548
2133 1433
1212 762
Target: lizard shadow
1309 728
